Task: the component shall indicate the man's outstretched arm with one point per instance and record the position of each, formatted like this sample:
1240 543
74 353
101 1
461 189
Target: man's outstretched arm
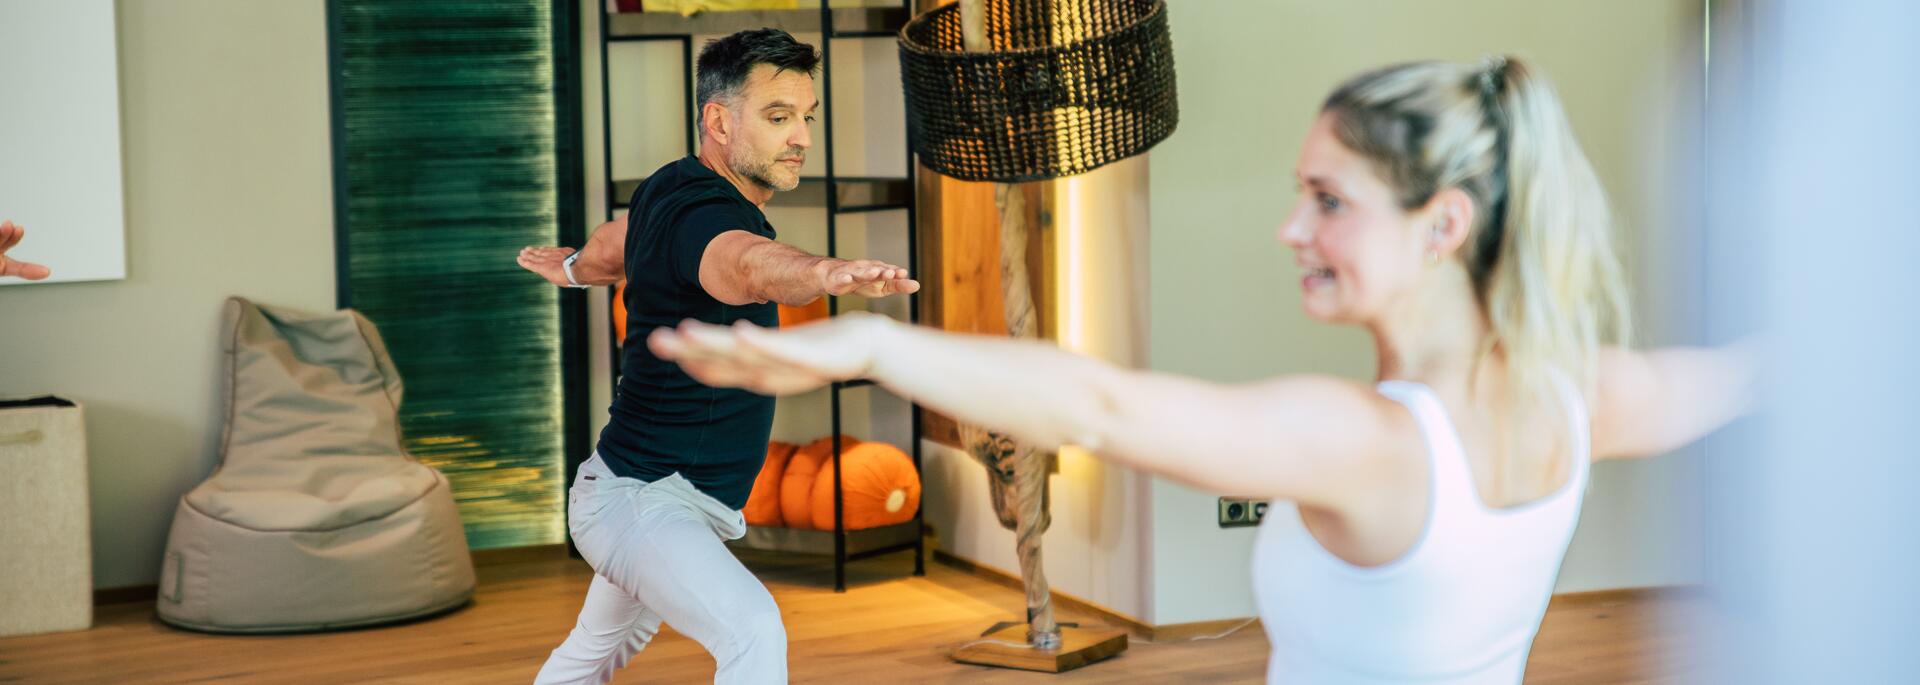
739 267
601 262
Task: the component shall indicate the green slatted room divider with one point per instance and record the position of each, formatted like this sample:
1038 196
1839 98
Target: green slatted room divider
456 139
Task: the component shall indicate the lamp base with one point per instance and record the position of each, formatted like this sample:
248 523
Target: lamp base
1007 648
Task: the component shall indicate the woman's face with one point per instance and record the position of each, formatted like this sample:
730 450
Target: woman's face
1358 248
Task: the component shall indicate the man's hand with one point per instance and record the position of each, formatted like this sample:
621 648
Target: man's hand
867 278
10 235
546 261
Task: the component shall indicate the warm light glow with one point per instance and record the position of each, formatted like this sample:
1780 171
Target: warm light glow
1096 223
1070 298
1070 212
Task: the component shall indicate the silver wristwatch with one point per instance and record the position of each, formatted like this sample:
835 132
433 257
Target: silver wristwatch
567 265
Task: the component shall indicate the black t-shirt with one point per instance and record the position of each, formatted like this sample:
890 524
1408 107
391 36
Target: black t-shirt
662 420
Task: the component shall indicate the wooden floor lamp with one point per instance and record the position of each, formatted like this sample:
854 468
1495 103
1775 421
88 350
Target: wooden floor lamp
1014 91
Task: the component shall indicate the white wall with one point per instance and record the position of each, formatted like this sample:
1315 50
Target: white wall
228 191
1223 305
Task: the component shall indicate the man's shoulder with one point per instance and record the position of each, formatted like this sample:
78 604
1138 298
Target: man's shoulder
669 207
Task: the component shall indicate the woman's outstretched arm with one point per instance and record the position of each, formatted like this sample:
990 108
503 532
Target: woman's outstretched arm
1308 438
1653 402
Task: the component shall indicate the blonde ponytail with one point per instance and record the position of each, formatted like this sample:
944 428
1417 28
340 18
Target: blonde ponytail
1556 291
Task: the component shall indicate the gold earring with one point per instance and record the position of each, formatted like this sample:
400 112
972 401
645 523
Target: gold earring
1433 257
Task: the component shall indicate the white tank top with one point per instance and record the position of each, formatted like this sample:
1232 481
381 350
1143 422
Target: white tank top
1461 606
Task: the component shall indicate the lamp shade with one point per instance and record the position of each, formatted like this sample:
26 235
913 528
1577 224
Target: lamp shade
1063 87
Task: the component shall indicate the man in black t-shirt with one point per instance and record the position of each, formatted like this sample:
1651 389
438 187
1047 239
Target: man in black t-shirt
677 459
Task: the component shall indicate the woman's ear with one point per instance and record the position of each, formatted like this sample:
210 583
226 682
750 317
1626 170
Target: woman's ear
1450 213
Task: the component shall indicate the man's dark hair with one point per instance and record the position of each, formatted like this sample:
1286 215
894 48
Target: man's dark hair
725 62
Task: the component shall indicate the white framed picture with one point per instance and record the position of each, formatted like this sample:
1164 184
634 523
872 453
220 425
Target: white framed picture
60 168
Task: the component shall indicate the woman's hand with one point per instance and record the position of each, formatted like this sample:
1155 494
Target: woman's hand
773 362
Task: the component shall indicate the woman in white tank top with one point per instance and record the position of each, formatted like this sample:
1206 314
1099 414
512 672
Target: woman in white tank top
1447 209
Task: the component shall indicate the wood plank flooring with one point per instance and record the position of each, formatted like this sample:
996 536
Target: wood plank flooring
888 628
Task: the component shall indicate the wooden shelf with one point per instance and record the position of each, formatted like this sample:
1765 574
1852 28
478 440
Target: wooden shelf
844 19
860 543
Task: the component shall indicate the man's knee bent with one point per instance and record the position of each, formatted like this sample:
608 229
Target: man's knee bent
761 632
599 643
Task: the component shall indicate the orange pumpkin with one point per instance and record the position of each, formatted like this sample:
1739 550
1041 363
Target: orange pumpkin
791 316
796 486
620 314
878 487
763 505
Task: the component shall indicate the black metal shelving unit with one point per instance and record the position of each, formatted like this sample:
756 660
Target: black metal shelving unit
838 195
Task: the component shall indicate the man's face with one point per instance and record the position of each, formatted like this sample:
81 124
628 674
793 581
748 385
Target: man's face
770 122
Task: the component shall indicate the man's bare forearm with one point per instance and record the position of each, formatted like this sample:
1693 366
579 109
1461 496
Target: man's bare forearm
603 259
778 272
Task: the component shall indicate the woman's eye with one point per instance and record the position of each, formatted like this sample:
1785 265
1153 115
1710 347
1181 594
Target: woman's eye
1328 203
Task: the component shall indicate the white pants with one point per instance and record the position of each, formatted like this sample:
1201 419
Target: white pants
658 554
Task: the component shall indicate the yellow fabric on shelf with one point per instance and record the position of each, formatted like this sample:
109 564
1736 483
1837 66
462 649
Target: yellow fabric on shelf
688 8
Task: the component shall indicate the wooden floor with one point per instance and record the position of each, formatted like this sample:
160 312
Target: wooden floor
888 628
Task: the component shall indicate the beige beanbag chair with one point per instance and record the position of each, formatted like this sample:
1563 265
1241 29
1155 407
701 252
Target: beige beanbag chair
316 519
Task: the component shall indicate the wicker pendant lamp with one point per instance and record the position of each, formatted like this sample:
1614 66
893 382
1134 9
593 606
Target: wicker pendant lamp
1060 87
